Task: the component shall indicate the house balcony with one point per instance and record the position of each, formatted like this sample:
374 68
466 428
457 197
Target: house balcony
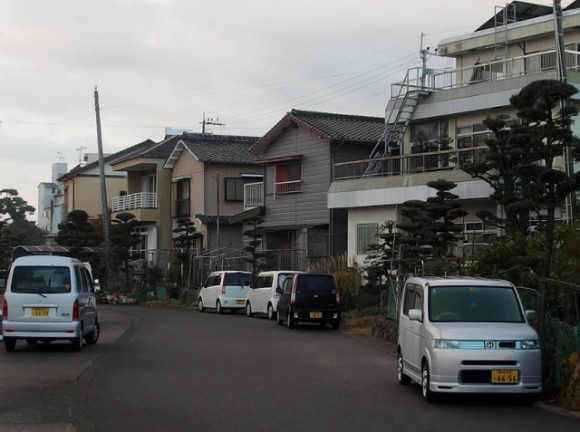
142 204
253 195
418 163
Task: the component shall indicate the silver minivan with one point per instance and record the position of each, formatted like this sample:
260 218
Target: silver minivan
49 298
226 289
467 335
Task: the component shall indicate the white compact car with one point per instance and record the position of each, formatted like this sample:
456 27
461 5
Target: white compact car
262 295
223 290
49 298
467 335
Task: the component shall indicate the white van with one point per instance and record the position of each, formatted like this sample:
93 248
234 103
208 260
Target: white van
264 293
226 289
467 335
49 298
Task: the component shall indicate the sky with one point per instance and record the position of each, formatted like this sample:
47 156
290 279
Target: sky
161 64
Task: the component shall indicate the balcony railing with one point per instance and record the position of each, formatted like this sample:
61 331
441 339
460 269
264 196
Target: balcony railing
288 187
445 79
141 200
408 164
253 195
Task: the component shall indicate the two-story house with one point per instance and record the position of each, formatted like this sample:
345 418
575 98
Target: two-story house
518 45
208 174
298 155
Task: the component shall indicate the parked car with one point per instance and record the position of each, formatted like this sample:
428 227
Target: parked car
49 298
309 297
223 290
467 335
263 295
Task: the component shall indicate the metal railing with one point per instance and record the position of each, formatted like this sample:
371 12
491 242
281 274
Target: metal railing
445 79
141 200
289 187
409 164
253 195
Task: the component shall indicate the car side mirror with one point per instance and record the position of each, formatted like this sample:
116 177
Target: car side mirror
531 315
416 315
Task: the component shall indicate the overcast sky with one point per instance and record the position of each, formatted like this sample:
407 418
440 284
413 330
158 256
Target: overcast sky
164 63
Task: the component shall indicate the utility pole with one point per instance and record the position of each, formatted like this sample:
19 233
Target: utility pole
104 206
218 210
209 122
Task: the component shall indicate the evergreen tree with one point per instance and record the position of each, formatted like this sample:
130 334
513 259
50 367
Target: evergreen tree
184 241
77 232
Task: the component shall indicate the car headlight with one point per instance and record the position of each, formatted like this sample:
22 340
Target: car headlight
529 344
445 343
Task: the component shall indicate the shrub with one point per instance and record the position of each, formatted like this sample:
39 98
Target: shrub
349 285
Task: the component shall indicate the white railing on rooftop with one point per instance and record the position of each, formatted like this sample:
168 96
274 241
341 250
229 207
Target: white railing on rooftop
445 79
141 200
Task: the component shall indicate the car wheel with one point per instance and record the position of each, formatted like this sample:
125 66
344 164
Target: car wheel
9 344
248 309
428 395
290 321
31 341
403 379
218 307
279 319
200 306
93 336
77 342
271 315
336 324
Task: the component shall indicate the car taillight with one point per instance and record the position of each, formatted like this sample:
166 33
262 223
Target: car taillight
293 296
224 286
5 309
75 311
337 294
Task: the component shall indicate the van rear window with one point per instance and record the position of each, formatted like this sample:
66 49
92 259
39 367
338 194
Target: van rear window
315 284
41 279
238 279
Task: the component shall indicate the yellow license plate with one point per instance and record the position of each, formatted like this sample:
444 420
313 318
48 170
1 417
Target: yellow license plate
40 312
315 314
504 376
240 302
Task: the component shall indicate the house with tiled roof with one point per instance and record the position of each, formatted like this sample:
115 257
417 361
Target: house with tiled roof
147 195
297 156
208 174
512 49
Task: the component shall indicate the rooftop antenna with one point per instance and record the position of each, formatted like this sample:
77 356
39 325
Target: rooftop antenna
425 52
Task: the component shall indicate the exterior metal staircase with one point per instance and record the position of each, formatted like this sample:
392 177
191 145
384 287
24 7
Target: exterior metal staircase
396 123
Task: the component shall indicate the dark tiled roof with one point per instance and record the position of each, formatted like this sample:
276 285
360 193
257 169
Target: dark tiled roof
335 127
225 149
131 152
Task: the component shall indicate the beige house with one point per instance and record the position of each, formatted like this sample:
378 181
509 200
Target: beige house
208 174
81 186
513 48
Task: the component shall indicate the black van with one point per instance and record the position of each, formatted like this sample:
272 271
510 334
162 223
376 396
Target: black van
309 297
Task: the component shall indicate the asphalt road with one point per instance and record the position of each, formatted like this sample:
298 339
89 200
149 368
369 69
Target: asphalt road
181 370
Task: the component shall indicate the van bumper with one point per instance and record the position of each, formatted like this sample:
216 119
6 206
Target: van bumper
470 371
31 330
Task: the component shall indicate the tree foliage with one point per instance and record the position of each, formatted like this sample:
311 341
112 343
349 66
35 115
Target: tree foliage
77 232
258 259
184 241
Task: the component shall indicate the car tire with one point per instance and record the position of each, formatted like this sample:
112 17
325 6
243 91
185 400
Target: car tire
9 344
249 309
200 306
218 307
428 395
279 319
93 336
401 377
77 342
271 313
290 321
336 324
31 341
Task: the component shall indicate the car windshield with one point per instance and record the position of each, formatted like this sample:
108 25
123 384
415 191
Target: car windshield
41 279
474 304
